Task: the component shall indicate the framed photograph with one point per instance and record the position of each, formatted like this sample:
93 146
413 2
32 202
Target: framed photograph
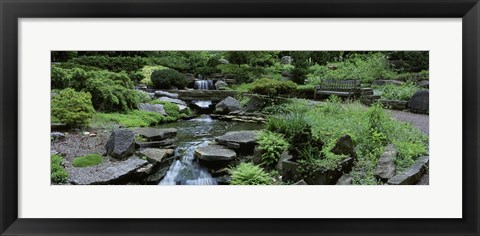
239 117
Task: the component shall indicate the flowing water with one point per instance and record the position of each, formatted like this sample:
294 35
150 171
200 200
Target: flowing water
191 134
204 85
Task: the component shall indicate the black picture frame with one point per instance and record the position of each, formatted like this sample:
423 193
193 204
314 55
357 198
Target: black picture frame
12 10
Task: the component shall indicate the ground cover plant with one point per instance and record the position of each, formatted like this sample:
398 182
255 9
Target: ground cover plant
87 160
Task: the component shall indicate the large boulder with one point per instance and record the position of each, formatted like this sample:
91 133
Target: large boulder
221 85
57 135
228 105
242 141
155 155
346 179
121 144
154 134
286 60
283 157
108 173
412 175
160 93
419 102
158 108
344 146
255 104
386 168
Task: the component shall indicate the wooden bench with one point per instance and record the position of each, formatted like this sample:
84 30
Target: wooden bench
342 88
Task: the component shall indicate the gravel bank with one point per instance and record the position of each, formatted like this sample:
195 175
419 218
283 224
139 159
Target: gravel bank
420 121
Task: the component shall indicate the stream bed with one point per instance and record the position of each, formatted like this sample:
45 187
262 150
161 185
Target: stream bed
193 133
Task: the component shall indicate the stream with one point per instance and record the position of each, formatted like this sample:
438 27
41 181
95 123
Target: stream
185 169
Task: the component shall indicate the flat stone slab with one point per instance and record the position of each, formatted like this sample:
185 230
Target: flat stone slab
412 175
155 155
240 137
173 100
108 173
154 134
155 144
242 141
215 153
160 93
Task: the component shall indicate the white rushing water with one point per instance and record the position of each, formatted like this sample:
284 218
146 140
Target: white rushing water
203 85
203 103
185 170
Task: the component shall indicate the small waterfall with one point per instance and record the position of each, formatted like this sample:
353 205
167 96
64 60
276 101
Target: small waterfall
204 85
185 170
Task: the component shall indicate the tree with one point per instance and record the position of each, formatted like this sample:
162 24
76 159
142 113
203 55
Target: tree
301 61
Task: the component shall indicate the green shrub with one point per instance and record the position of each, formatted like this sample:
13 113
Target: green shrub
62 78
177 60
111 91
58 174
136 76
408 152
72 108
71 65
366 68
166 78
141 96
115 64
306 91
134 118
244 87
271 87
296 130
147 74
242 73
412 76
292 105
332 105
88 160
249 174
395 92
272 146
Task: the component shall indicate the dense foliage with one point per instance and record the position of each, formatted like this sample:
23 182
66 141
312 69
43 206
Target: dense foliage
370 128
249 174
58 174
115 64
72 108
272 145
110 91
272 87
134 118
397 92
166 78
